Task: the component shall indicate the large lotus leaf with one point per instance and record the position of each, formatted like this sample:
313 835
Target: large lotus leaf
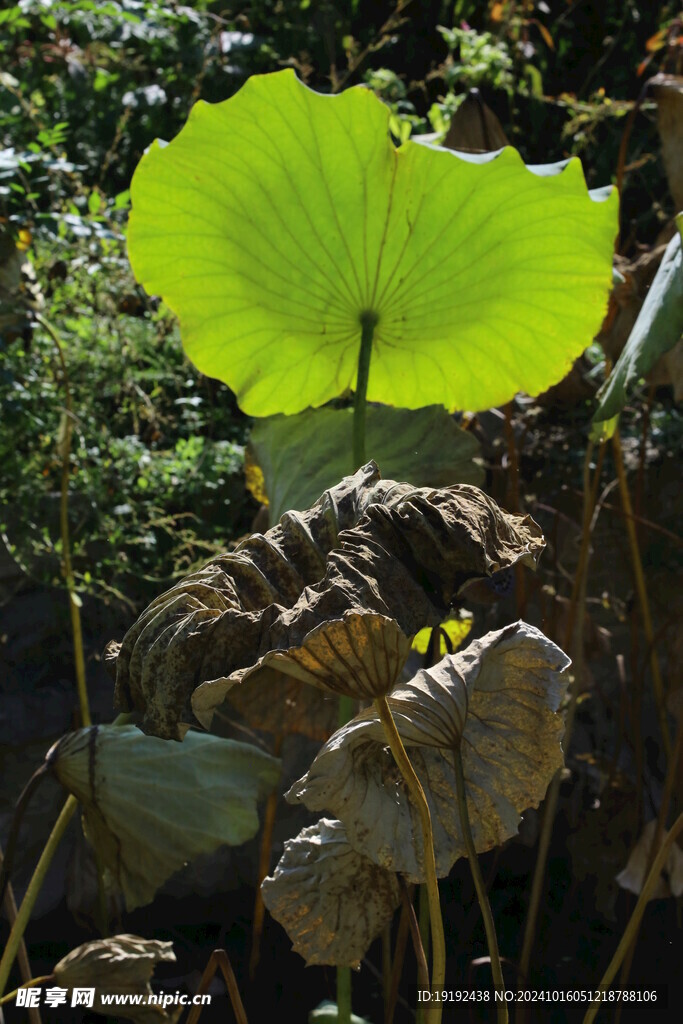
331 900
367 545
658 328
276 219
120 965
498 700
150 807
360 655
406 560
300 456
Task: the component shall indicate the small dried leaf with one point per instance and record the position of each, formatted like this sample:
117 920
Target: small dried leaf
497 699
122 964
634 874
150 806
331 900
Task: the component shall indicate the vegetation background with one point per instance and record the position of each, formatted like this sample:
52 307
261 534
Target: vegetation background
156 479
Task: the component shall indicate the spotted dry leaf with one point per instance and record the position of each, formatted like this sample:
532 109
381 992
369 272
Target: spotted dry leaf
366 546
331 901
498 699
359 655
120 965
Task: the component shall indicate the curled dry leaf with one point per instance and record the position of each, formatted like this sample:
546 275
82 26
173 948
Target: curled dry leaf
367 545
359 655
120 965
634 874
498 700
331 900
150 807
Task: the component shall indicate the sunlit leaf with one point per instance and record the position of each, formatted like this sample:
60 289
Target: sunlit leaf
276 219
359 655
150 806
120 965
330 899
301 456
498 701
658 328
457 630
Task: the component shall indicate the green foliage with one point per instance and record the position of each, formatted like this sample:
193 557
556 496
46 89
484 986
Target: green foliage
658 328
157 455
275 254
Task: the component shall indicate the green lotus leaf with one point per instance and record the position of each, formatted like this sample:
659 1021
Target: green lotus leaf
658 328
497 700
425 447
279 218
120 965
150 806
331 900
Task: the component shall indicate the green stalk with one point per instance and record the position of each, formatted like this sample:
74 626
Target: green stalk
420 801
343 995
479 885
636 917
368 322
29 900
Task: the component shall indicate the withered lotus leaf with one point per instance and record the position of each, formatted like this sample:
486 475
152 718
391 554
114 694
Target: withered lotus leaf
498 700
119 965
150 807
331 900
359 655
367 545
640 860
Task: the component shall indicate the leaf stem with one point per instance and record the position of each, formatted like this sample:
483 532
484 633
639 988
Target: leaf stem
368 322
34 887
636 917
479 885
420 801
344 995
641 588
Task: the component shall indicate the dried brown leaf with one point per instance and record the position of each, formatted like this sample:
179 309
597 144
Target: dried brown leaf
498 699
120 965
366 546
331 900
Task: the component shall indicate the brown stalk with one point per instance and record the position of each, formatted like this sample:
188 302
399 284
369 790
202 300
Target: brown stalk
263 868
219 958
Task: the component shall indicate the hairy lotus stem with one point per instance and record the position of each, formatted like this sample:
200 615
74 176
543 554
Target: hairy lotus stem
368 322
344 995
219 959
636 917
573 637
34 887
263 868
479 885
29 983
420 801
641 587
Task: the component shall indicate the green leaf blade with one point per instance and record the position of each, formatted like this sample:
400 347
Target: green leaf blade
275 219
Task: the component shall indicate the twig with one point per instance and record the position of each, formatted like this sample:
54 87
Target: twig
34 887
219 958
641 588
636 917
